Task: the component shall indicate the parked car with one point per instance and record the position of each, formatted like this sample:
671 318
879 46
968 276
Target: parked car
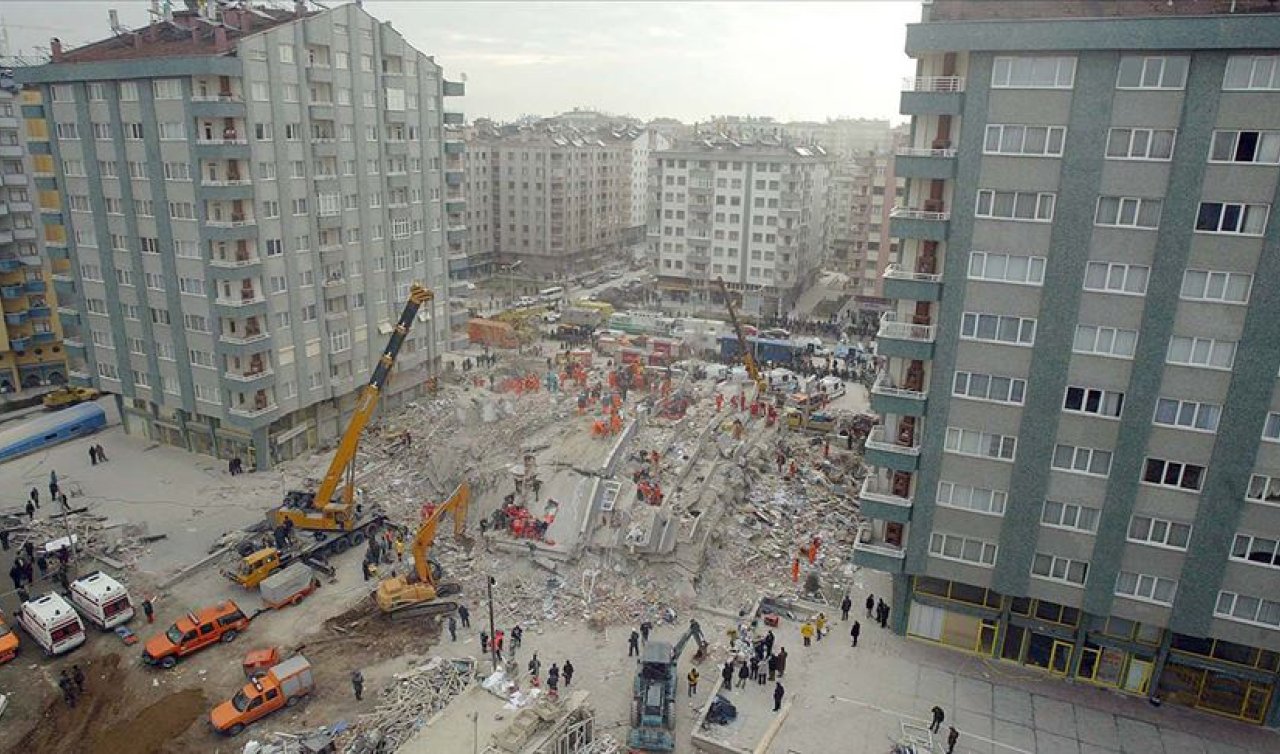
195 631
68 395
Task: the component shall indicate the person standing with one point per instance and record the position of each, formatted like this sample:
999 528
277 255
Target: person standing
31 511
778 691
782 661
853 632
693 681
938 717
744 672
952 736
68 689
845 605
484 642
357 683
77 675
553 678
871 603
884 617
35 497
149 610
517 636
535 665
773 667
768 643
102 454
820 626
633 644
464 615
453 628
93 455
806 633
567 673
645 628
726 676
755 667
4 539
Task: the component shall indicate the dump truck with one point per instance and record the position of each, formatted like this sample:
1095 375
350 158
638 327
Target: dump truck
653 696
283 686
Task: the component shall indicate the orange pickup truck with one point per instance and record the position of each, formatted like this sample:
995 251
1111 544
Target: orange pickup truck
195 631
283 686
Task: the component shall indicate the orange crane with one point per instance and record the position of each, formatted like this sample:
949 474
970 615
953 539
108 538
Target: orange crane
407 597
748 359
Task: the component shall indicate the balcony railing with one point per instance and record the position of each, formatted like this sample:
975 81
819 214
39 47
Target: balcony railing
223 141
215 98
890 327
876 441
933 84
908 213
925 152
873 488
241 340
243 300
250 413
248 376
895 272
867 542
230 223
884 386
228 182
233 262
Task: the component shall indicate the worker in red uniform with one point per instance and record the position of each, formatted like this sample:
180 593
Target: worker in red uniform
719 402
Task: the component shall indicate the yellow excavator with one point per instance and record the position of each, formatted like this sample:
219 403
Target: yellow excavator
748 359
419 594
332 507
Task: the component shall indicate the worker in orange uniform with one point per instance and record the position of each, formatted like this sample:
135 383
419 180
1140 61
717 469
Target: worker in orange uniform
615 423
719 402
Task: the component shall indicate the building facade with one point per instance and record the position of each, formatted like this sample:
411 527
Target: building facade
863 190
752 215
31 348
1081 415
238 204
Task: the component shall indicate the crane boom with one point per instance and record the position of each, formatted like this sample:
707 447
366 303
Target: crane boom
748 359
331 505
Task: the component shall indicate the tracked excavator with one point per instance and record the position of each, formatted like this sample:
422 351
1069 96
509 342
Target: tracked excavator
653 697
420 594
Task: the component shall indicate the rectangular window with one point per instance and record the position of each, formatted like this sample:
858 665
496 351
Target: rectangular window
1201 352
1140 143
1070 516
159 316
998 328
962 549
154 280
286 53
1183 476
101 131
1038 72
1078 460
976 499
195 323
167 88
1062 570
182 210
186 249
1255 147
1006 268
989 387
1172 412
1141 586
1105 341
108 371
1114 277
177 171
66 131
340 340
1271 428
1256 550
1245 609
128 91
1027 206
1223 287
1127 212
1141 72
1237 219
1252 72
1086 400
264 132
175 131
191 286
1037 141
971 442
1159 532
200 358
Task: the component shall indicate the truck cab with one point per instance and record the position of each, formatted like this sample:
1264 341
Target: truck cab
193 632
102 600
283 686
8 643
253 568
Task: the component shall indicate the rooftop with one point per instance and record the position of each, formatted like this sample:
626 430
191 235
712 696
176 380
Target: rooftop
760 147
1004 10
186 33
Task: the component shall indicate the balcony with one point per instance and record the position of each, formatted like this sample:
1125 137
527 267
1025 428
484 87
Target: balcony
904 339
235 221
19 344
35 286
875 554
245 301
249 377
73 343
13 292
68 315
932 95
252 411
455 206
10 150
231 146
40 312
227 189
456 233
221 105
928 224
888 399
454 146
911 286
24 234
924 163
453 119
15 179
9 264
890 455
876 500
16 318
454 89
45 337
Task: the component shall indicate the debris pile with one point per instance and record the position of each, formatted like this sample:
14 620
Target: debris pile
412 700
116 543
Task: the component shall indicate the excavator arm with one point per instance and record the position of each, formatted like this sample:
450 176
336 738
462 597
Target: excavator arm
457 504
748 359
695 633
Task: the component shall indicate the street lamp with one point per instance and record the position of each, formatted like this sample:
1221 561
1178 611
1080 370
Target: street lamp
511 275
493 644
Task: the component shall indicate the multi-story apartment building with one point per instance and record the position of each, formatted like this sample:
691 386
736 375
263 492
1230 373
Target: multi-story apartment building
31 348
239 203
844 138
1079 463
750 214
863 190
476 259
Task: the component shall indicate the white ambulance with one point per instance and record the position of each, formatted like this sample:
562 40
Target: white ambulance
53 623
102 600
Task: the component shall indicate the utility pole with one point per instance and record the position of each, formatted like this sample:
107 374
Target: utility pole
493 644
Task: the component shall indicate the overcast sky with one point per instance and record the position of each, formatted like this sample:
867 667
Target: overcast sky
686 60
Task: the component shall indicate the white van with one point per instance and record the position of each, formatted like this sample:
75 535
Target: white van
102 600
53 623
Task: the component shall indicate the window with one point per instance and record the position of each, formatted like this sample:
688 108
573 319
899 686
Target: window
1140 144
1255 610
1260 550
400 228
154 280
1138 72
283 320
200 358
1081 460
989 387
340 340
1105 341
186 249
1240 219
1127 212
270 209
176 131
182 210
206 394
101 131
976 499
1042 72
1141 586
195 323
66 131
128 91
1258 147
1252 72
998 328
1201 352
108 371
112 205
1172 412
286 53
1085 400
167 88
1159 532
1114 277
306 278
159 316
144 208
1064 570
149 245
292 131
366 63
177 171
263 132
1271 429
1184 476
341 60
1224 287
300 206
289 93
1006 268
971 442
962 549
1027 206
191 286
1024 140
1070 516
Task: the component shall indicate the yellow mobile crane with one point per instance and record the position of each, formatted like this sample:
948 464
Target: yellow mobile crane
406 597
748 359
332 507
